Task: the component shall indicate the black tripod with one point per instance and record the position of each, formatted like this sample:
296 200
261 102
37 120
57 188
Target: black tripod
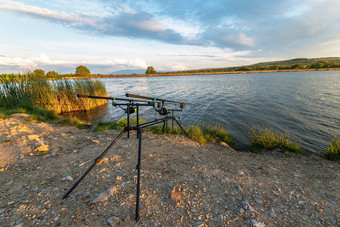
139 128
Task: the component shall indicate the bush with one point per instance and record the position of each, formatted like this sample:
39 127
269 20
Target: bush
267 139
333 151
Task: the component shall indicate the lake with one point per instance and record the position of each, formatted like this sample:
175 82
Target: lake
306 104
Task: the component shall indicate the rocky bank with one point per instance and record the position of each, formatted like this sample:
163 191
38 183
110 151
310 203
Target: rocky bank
183 183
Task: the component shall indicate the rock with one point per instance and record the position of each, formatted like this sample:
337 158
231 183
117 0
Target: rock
54 151
272 213
33 137
68 178
176 193
95 141
257 200
277 150
246 205
9 182
223 219
113 221
301 202
200 224
104 196
256 223
116 158
42 148
224 144
240 173
103 160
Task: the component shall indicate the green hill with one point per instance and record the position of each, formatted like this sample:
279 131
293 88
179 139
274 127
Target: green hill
298 63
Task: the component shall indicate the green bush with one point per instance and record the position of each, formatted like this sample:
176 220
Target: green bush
333 151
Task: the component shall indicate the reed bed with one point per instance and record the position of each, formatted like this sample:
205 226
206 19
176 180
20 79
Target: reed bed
31 92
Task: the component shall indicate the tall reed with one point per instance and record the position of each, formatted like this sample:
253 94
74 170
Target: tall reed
29 92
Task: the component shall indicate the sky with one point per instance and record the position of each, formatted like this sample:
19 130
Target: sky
108 36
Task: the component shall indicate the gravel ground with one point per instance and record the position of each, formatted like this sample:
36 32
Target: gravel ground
183 183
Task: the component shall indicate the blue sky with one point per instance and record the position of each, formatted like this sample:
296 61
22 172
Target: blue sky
107 36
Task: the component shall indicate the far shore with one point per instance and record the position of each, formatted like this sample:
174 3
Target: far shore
201 73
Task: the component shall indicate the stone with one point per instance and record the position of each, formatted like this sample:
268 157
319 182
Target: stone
272 213
9 182
42 148
103 160
104 196
200 224
68 178
256 223
240 173
113 221
95 141
176 194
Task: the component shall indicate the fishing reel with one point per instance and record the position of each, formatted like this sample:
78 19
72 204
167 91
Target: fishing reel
161 109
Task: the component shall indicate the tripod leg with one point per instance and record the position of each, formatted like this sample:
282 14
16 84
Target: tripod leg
163 127
181 127
138 167
95 163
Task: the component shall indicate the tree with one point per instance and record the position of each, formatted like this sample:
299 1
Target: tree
82 71
52 74
39 72
150 70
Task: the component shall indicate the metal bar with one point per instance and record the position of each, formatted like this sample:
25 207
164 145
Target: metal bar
95 163
138 167
181 128
128 119
137 119
172 121
111 98
150 98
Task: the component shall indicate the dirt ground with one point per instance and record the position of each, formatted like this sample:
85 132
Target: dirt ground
183 183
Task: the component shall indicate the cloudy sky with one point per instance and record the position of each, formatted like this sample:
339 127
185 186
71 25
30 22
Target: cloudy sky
107 36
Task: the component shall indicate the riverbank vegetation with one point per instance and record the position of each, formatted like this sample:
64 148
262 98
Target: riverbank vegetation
267 139
333 151
31 93
202 133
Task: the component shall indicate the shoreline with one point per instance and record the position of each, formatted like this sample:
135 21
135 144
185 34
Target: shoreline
202 73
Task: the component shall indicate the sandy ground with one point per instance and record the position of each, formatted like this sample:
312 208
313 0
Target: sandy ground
183 183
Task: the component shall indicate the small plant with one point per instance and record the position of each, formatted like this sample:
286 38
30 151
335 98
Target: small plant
74 121
269 140
333 151
115 125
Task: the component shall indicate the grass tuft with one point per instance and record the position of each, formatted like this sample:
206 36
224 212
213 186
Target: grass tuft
269 140
333 151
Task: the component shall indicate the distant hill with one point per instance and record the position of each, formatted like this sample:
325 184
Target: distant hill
298 63
302 61
128 71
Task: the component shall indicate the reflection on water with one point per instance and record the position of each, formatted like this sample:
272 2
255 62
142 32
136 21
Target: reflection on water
307 104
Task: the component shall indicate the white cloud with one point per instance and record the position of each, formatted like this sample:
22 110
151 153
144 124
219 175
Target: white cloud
18 7
179 67
44 62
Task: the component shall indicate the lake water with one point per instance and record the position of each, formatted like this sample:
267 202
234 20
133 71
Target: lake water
306 104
